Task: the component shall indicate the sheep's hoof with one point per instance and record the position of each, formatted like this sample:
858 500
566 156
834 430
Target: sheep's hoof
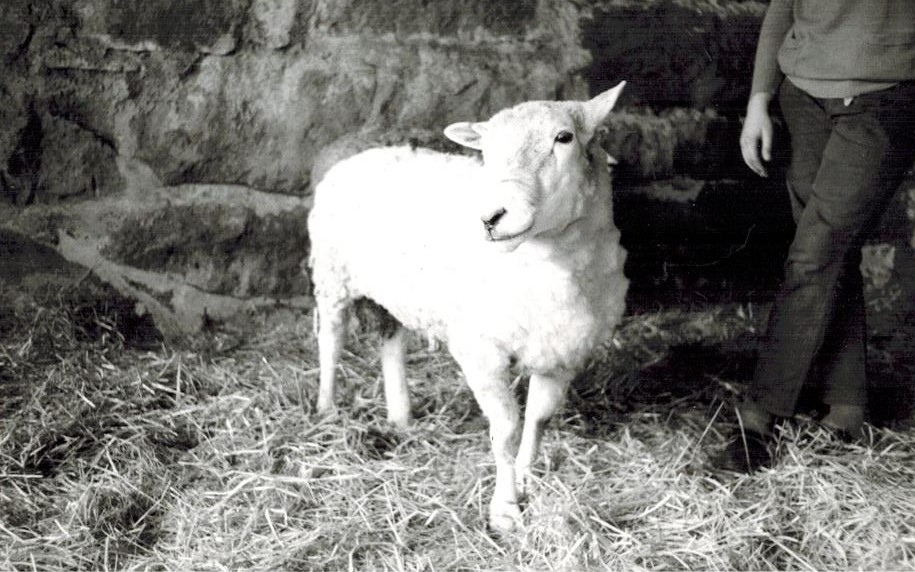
402 422
327 411
505 516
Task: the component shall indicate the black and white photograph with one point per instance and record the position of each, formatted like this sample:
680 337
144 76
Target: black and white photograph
457 285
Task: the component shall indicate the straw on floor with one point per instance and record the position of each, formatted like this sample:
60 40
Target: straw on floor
209 456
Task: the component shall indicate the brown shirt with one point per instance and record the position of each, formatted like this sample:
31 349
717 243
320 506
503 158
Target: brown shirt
836 48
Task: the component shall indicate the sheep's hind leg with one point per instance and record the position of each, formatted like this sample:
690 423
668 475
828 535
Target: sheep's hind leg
395 377
544 396
331 333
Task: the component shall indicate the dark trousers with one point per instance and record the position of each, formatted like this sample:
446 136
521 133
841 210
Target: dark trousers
846 163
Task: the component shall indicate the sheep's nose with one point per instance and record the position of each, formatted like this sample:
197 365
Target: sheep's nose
489 222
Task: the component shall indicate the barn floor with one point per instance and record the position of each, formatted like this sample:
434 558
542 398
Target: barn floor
119 452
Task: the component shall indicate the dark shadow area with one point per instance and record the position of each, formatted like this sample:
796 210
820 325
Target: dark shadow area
680 55
686 379
691 377
891 391
727 245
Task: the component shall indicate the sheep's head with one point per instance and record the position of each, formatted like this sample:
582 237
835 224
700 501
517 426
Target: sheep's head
541 163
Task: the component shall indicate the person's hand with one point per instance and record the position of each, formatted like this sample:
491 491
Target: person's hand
756 136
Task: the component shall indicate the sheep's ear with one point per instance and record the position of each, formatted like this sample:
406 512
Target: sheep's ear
598 108
466 133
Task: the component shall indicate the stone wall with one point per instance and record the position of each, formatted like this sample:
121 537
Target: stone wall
247 92
172 145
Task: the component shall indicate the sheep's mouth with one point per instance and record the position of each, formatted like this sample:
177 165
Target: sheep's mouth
507 237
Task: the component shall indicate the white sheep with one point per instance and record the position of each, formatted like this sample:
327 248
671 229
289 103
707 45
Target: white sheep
513 261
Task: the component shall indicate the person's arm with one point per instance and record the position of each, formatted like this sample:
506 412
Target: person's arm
756 136
776 23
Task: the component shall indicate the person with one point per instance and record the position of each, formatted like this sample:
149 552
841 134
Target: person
844 73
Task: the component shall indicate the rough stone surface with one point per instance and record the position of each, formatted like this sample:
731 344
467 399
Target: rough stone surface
889 267
248 92
183 25
222 249
15 29
186 254
677 141
690 54
21 143
75 161
40 270
272 22
407 17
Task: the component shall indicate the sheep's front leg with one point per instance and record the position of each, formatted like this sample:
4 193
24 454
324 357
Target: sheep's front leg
544 396
331 318
395 378
498 404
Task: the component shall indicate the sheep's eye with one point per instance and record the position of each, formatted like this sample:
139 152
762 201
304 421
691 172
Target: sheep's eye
564 137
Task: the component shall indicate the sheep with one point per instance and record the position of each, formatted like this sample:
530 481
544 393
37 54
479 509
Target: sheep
513 261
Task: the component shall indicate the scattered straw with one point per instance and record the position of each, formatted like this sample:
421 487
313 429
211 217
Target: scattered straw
198 459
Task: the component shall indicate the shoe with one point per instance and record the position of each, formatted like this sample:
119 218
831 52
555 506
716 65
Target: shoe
746 452
844 421
844 435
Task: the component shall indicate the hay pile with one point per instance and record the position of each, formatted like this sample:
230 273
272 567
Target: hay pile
210 457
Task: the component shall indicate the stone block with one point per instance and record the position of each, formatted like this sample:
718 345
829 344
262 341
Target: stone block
75 162
186 91
695 53
261 119
419 17
273 22
221 249
676 141
22 141
38 269
207 26
15 28
186 255
888 266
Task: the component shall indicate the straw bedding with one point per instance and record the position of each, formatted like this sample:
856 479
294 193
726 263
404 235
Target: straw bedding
208 456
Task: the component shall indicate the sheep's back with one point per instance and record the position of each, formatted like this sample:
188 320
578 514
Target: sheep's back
398 225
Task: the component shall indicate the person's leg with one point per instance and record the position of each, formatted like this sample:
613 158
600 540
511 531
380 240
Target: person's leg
821 298
809 129
820 303
841 364
884 122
